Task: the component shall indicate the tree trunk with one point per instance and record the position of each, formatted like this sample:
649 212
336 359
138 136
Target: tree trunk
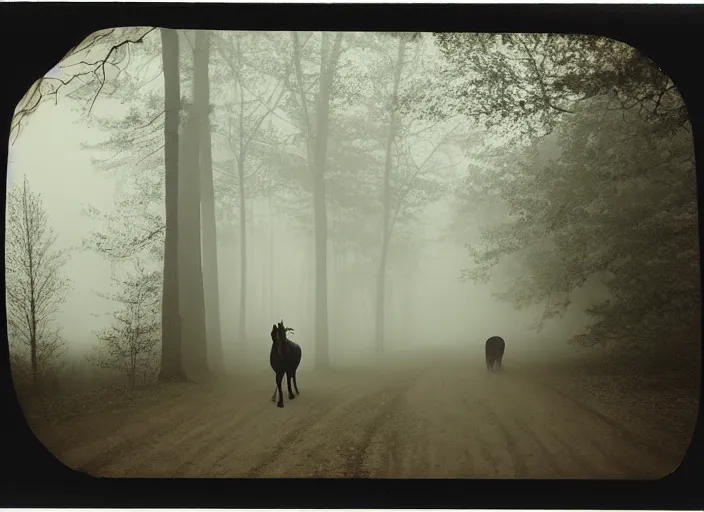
316 156
243 205
33 332
271 258
171 368
243 252
133 370
309 286
30 249
210 254
327 70
408 310
386 203
263 284
381 298
33 361
195 349
322 357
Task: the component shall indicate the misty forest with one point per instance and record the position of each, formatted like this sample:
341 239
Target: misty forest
484 246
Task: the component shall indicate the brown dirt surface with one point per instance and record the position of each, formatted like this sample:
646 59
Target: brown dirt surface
422 417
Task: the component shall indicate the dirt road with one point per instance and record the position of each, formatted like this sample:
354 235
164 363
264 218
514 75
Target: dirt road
418 419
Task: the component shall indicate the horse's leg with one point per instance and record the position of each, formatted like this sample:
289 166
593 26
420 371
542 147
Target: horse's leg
291 396
273 397
295 384
279 377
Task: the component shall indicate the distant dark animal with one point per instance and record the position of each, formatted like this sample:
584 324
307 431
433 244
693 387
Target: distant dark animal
284 358
495 347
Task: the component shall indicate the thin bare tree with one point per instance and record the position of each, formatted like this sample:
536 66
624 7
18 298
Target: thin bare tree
130 345
34 286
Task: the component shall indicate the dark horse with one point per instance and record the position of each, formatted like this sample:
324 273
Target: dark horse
284 358
495 347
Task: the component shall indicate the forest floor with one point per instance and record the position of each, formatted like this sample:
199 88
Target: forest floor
422 416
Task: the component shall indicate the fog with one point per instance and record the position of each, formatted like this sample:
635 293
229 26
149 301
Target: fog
67 181
427 305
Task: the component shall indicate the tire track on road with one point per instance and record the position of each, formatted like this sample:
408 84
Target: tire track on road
354 468
550 457
233 431
288 440
519 467
214 444
483 441
167 448
449 422
559 454
123 445
187 450
326 454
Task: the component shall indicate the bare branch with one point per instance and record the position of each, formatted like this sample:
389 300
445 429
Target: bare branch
37 93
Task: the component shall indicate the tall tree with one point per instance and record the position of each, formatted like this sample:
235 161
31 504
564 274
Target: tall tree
171 367
137 146
252 108
376 149
358 138
386 199
316 137
34 286
209 237
191 293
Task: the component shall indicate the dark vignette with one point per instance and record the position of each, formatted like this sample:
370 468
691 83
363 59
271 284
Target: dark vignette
37 35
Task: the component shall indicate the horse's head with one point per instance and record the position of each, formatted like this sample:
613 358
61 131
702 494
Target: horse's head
278 335
278 338
282 330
